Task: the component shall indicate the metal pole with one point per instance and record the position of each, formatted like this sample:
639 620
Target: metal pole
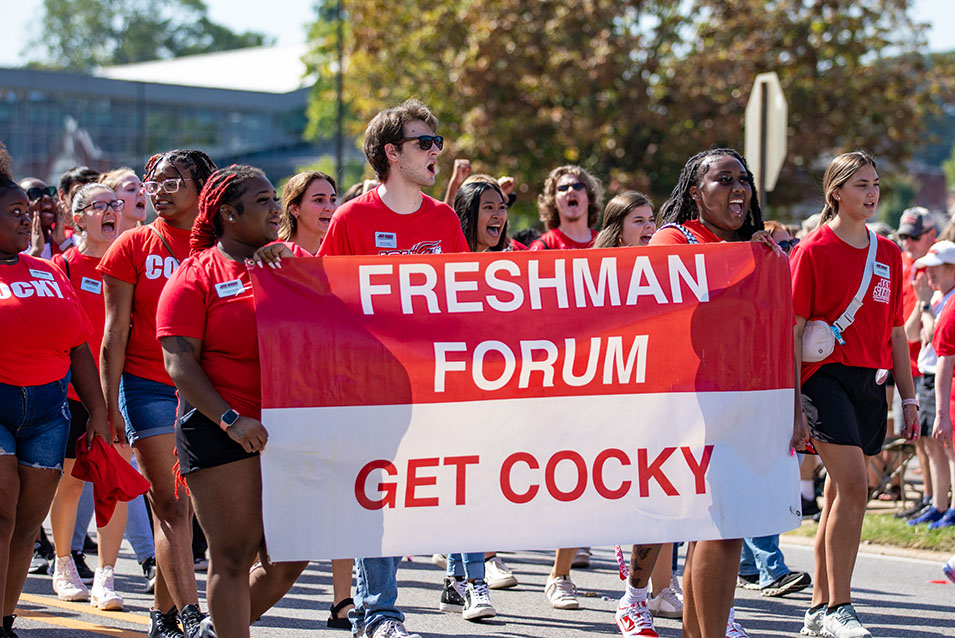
339 135
763 126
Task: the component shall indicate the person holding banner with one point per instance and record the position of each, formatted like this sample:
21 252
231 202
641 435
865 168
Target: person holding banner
482 208
837 267
206 325
715 200
570 208
394 218
308 202
138 389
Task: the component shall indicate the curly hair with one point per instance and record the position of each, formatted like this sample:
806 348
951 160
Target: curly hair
388 127
615 214
467 204
225 186
681 207
199 165
840 170
6 173
547 201
292 195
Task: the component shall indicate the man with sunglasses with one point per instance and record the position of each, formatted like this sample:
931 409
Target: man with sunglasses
49 226
393 218
569 207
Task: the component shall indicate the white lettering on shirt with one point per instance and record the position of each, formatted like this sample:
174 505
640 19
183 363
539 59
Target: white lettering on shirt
157 267
882 291
26 289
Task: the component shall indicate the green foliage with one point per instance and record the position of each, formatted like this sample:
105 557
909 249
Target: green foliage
80 35
354 171
949 167
630 89
898 193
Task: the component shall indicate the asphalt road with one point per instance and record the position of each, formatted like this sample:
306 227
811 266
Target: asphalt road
894 597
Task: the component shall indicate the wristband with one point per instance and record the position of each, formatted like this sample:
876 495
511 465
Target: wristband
228 419
914 402
926 307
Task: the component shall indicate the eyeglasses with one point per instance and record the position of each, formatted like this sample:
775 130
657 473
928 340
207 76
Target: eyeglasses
100 207
36 192
788 244
425 141
577 186
912 237
168 185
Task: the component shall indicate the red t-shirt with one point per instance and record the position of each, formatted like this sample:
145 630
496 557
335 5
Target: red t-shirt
557 240
139 257
88 285
826 275
670 236
944 338
909 299
41 320
210 298
365 226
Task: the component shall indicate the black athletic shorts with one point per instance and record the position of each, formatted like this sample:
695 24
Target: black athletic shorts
925 390
202 444
79 418
845 406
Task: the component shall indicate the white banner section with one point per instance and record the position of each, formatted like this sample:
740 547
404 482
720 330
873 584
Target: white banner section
534 473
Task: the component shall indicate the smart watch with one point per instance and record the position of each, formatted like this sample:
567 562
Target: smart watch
228 419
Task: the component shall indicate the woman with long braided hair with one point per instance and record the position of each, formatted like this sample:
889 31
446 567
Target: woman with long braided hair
206 325
139 392
715 200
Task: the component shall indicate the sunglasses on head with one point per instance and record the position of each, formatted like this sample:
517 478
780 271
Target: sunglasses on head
425 141
36 192
788 244
577 186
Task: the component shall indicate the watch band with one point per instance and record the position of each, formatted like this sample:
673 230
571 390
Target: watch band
228 419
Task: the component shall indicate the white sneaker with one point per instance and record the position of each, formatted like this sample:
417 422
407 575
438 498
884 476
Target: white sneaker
675 586
582 558
948 568
102 594
441 560
812 622
666 604
561 593
497 574
635 620
477 602
844 623
733 629
392 629
66 580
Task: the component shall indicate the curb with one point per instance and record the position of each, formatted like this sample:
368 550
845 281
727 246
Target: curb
873 548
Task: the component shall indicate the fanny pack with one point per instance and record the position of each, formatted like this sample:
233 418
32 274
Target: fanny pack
819 337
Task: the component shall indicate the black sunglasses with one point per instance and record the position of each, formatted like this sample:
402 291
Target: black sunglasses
36 192
577 186
912 237
425 141
788 244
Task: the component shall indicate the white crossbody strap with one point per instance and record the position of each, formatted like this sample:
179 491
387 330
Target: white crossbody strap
849 315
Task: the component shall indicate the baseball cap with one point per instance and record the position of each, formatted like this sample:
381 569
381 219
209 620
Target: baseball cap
915 221
941 252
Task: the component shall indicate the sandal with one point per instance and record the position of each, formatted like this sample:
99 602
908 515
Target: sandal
893 493
334 622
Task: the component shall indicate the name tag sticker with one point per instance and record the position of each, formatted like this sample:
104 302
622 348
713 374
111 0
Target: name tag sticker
91 285
229 288
881 270
386 240
42 274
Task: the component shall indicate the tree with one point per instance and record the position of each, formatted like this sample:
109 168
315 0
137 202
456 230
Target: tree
80 35
630 89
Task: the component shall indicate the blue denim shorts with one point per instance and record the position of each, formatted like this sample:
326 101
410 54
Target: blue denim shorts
35 423
148 407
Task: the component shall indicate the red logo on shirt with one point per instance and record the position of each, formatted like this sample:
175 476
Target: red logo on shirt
882 291
421 248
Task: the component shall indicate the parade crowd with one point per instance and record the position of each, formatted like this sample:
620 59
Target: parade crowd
144 335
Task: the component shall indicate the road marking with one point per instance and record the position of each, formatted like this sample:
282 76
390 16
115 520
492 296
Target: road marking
84 608
79 625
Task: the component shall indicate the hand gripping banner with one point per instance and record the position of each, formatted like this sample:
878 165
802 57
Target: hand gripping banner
525 400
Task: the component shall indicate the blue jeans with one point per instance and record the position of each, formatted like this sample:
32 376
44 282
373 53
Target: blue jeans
376 593
35 423
470 565
148 407
762 556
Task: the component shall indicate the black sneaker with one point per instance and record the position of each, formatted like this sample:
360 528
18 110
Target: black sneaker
90 546
809 507
86 574
191 619
164 625
8 627
787 584
46 547
149 573
39 564
452 598
749 581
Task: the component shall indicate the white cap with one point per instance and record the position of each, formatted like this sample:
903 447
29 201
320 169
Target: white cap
941 252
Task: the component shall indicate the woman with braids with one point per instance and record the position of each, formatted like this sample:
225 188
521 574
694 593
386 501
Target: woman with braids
628 221
844 400
206 325
44 349
714 201
138 390
308 201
